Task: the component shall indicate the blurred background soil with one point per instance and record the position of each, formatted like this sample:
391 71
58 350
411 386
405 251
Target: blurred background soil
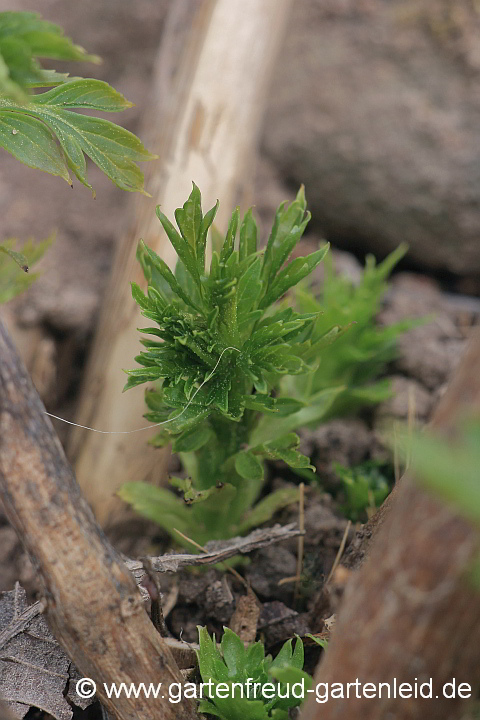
372 106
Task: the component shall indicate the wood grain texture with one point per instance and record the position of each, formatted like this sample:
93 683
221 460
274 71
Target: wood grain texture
92 604
411 612
460 401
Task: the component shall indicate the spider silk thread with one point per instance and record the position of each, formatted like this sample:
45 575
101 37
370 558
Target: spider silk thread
148 427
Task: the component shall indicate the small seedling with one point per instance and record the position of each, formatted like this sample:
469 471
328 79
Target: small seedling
221 343
360 355
246 684
365 488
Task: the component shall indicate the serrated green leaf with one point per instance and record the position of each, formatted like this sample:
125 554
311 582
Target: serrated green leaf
18 65
9 87
187 284
84 93
288 231
182 248
23 38
292 274
182 420
189 218
248 236
111 147
282 252
218 393
249 288
31 142
48 44
163 269
35 120
249 466
249 320
202 239
139 297
286 219
229 242
140 376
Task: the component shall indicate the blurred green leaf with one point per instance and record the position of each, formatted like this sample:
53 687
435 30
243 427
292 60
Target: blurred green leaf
364 486
248 466
24 36
41 130
265 509
361 350
15 265
450 469
157 504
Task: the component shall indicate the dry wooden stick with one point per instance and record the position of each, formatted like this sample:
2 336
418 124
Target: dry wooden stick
411 612
301 540
92 602
462 397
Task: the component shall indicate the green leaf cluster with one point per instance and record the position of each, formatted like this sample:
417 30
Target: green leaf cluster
220 344
24 37
232 665
42 130
14 266
361 352
364 486
239 369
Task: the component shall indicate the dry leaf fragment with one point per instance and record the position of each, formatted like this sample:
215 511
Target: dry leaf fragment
33 667
244 620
